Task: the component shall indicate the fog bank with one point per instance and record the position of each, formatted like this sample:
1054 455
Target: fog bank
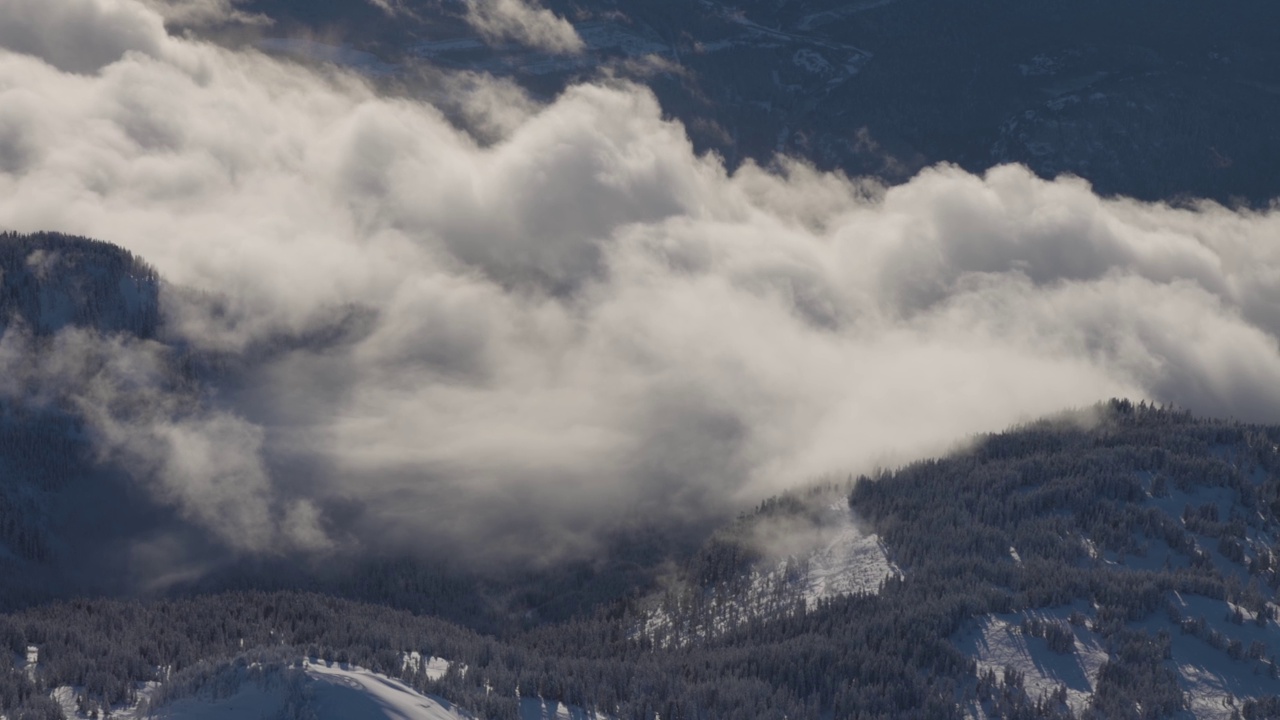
510 347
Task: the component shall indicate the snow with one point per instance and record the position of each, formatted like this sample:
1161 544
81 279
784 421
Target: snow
852 562
435 669
998 642
535 709
332 691
834 559
1259 537
251 701
66 697
346 693
1214 682
844 559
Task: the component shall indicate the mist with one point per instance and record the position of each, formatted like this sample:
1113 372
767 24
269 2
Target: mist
509 339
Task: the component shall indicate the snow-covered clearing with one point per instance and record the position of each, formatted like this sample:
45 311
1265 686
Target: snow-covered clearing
998 642
1216 679
1215 682
435 667
355 694
66 697
853 561
810 563
330 692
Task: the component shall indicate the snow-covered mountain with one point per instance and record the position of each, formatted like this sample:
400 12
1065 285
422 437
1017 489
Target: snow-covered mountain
1143 99
1113 562
52 281
239 504
1131 566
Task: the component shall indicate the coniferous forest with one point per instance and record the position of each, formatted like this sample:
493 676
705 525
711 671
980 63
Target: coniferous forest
1083 498
639 360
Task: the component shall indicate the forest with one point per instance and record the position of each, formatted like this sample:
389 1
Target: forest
1067 495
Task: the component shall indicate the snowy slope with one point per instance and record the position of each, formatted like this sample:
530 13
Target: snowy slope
998 642
330 691
830 558
344 692
852 561
1216 680
66 697
327 691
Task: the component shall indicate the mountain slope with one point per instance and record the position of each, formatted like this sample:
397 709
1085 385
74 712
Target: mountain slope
1147 99
70 311
1113 562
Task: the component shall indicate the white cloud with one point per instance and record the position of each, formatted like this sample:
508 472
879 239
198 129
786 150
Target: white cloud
204 462
79 35
390 7
580 321
522 22
202 13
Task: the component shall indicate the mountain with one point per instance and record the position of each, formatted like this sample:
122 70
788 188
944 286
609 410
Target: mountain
64 513
89 372
1109 562
1153 100
351 469
1117 561
53 281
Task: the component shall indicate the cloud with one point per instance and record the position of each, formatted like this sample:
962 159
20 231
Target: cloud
506 347
519 21
204 462
79 35
203 13
390 7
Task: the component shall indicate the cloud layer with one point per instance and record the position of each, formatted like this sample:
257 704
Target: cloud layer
509 347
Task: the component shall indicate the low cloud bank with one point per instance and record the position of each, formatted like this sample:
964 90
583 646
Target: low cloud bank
507 348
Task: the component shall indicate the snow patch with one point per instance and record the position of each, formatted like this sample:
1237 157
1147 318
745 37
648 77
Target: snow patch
330 691
852 562
535 709
66 696
348 693
998 642
435 667
1216 682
